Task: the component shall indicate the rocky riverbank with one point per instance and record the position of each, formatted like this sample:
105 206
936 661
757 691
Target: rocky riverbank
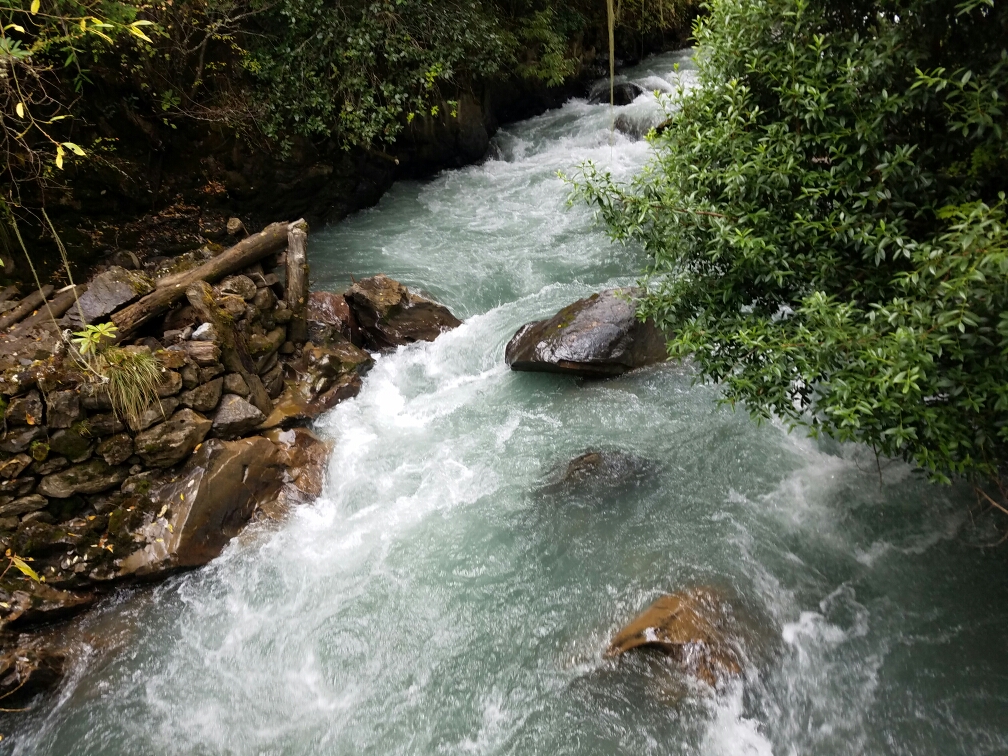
92 497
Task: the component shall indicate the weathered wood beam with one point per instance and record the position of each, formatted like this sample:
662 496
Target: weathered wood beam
58 306
171 288
28 305
297 281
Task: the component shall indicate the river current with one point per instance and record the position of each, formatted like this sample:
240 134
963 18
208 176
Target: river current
435 600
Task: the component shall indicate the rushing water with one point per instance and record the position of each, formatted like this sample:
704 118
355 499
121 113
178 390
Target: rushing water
436 600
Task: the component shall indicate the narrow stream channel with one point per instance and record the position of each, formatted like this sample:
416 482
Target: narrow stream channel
436 601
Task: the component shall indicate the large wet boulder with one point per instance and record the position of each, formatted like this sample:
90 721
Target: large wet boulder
108 292
325 376
696 627
598 471
596 337
389 315
304 457
623 93
206 505
170 442
329 315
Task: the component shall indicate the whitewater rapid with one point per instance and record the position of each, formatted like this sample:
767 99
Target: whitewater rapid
435 601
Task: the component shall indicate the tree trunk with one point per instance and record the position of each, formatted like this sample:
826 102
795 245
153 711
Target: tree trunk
297 281
170 289
28 305
234 353
57 307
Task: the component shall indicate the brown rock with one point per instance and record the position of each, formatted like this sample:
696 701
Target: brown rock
389 315
235 384
208 504
696 627
23 506
239 286
170 442
202 353
28 671
171 384
596 337
332 311
11 468
304 457
39 603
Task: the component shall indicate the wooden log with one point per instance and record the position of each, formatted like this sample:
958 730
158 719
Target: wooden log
297 281
234 353
28 305
59 304
170 289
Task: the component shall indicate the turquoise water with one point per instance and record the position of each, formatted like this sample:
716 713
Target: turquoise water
436 601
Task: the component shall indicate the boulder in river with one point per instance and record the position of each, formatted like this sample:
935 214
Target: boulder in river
696 627
206 505
623 93
26 671
598 470
389 315
596 337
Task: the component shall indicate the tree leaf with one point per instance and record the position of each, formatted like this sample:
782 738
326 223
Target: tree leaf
75 149
23 566
19 109
59 157
35 7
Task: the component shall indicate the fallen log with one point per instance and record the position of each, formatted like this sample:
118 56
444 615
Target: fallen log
297 281
234 353
58 306
28 305
171 288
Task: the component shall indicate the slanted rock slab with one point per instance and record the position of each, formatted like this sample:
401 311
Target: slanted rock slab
207 504
389 315
170 442
110 291
235 417
596 337
94 476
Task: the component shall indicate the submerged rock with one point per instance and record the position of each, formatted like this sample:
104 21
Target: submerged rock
604 470
623 93
696 627
596 337
389 315
206 505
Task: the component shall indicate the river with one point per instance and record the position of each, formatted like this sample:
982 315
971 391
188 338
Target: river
435 600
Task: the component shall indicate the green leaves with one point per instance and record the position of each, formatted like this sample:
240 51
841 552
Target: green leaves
93 337
825 221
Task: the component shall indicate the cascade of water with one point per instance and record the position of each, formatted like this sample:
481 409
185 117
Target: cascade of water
437 600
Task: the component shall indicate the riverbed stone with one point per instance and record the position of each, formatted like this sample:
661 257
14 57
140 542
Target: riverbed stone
91 477
157 412
170 442
389 315
596 337
171 384
328 314
623 93
235 417
206 505
24 410
63 408
205 397
696 627
110 291
39 603
234 383
304 457
240 286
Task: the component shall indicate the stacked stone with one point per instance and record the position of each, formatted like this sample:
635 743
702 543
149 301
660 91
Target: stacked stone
91 499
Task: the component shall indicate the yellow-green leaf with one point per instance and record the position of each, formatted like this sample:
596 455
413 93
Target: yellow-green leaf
23 566
15 27
106 37
83 24
75 149
59 157
142 23
34 7
19 109
137 33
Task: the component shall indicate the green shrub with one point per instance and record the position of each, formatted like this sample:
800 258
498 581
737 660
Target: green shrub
825 221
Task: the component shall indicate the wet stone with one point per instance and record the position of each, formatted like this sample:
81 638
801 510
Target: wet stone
71 443
235 384
158 412
171 384
18 439
240 286
110 291
23 506
13 467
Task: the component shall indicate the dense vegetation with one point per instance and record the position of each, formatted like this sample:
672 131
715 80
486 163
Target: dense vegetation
825 219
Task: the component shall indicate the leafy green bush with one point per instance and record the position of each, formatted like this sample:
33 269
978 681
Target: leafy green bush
825 219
